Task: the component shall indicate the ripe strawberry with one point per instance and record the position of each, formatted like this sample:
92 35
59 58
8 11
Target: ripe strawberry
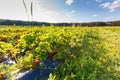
1 77
37 61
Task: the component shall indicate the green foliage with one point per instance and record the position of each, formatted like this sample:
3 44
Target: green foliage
89 53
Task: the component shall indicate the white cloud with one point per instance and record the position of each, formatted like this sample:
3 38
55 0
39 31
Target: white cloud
50 16
109 18
112 18
69 2
94 15
112 6
46 12
98 0
105 5
70 14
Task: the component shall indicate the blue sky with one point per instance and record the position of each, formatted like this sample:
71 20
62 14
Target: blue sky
62 10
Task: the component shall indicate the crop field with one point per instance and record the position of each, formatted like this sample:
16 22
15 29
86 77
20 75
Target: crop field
87 53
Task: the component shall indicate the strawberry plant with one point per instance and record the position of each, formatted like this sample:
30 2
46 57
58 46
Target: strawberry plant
89 53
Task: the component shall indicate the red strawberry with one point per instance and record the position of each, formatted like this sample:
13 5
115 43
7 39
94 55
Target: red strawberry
37 61
1 77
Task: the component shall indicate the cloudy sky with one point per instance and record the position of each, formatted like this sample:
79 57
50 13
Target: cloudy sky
62 10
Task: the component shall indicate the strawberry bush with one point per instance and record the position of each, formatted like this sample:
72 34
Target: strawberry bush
88 53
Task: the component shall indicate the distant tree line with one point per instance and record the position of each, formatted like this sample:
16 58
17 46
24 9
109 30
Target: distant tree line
34 23
22 23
